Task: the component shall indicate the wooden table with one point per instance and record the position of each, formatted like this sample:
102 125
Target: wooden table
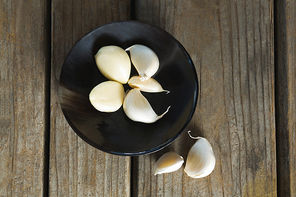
244 53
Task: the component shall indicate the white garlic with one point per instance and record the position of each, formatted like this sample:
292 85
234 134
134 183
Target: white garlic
107 96
149 85
114 63
201 159
144 59
169 162
138 109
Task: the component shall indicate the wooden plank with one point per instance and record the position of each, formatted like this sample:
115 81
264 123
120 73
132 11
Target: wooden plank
76 168
231 44
285 96
23 64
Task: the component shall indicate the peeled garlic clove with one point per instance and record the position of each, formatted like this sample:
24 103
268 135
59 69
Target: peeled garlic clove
107 96
144 59
114 63
169 162
149 85
138 109
200 160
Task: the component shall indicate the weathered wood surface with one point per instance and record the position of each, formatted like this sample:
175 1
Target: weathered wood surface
286 96
76 168
23 64
231 44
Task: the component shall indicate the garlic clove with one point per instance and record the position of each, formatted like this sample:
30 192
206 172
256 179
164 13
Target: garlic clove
114 63
149 85
144 59
138 109
200 160
169 162
107 96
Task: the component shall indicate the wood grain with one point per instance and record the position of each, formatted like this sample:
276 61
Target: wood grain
286 96
23 64
76 168
231 44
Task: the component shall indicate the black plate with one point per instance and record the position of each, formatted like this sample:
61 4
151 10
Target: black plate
114 132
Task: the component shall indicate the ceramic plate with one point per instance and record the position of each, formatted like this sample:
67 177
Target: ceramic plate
114 132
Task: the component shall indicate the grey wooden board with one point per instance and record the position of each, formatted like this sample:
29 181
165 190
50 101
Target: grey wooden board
23 64
76 168
231 44
286 96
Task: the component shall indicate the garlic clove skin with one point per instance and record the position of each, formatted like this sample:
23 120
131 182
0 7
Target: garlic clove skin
114 63
200 160
138 109
107 96
144 59
169 162
149 85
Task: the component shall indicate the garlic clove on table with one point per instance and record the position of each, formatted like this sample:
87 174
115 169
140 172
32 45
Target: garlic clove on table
169 162
201 159
114 63
107 96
